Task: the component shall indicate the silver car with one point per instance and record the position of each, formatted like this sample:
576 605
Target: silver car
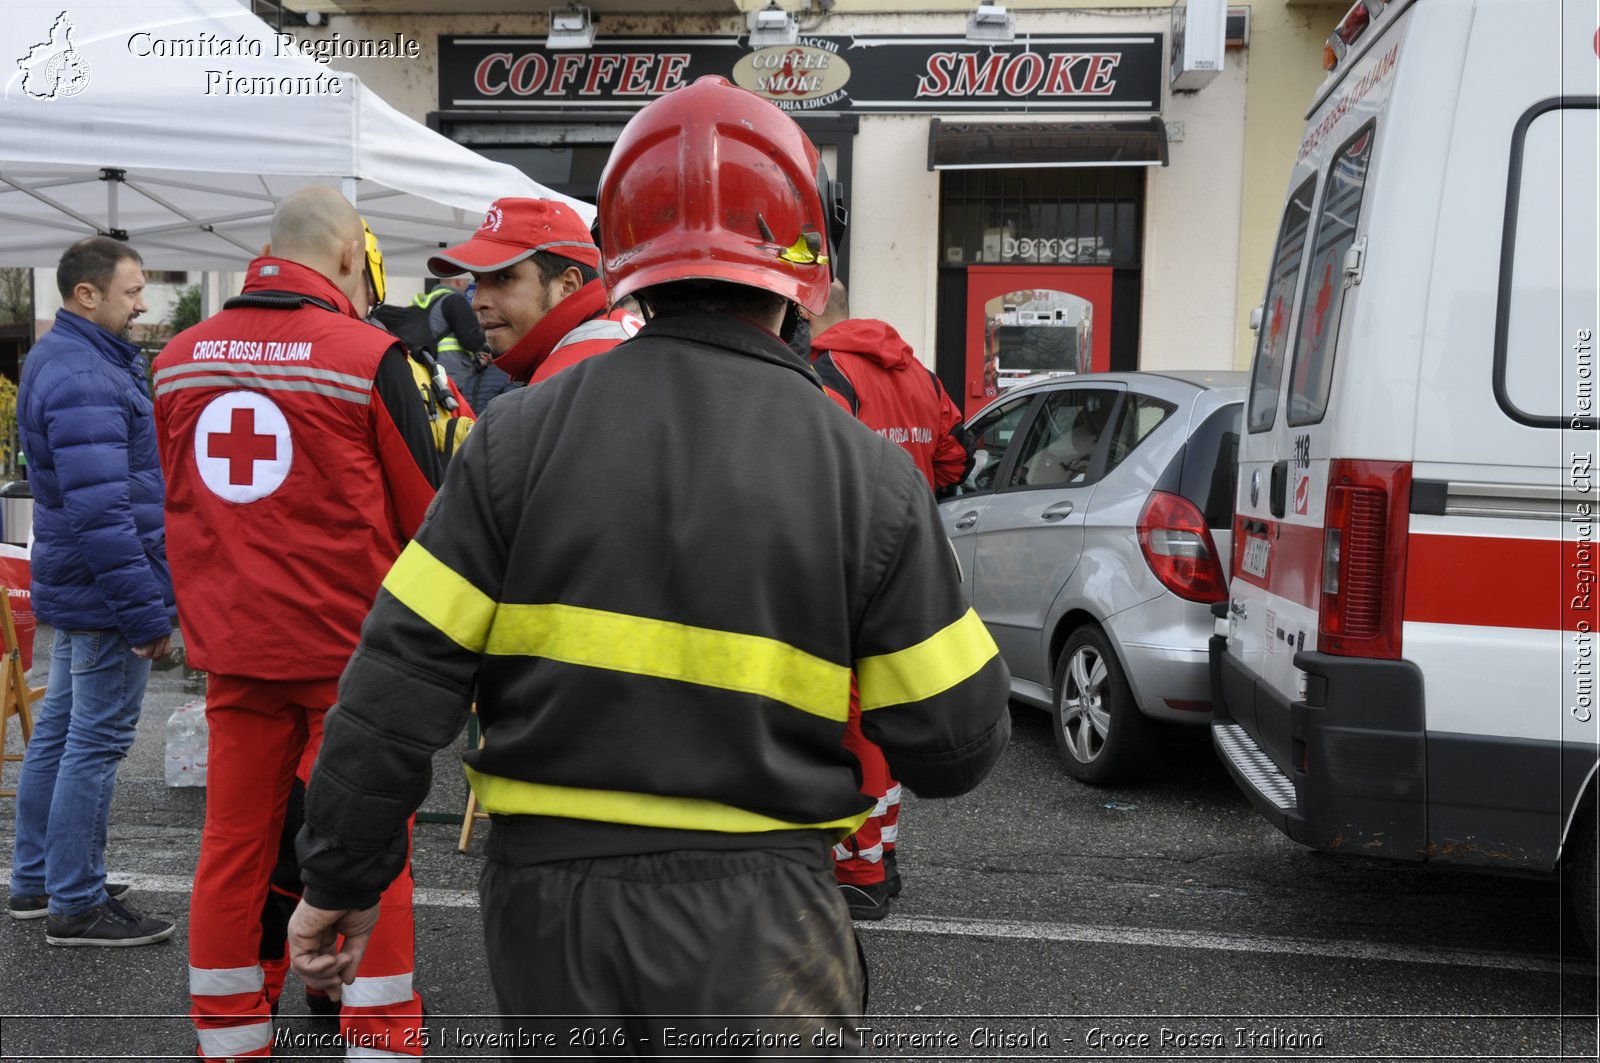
1094 533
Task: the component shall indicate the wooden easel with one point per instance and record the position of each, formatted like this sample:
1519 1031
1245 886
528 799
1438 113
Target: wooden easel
18 697
470 818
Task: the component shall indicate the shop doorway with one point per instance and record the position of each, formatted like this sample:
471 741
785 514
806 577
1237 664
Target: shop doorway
1040 273
1024 320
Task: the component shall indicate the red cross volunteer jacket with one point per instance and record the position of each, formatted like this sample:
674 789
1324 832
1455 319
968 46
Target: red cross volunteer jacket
298 462
868 369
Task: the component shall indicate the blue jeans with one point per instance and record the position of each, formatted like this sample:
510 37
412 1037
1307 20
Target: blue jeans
82 729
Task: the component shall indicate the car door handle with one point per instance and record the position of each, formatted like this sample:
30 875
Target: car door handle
966 520
1057 511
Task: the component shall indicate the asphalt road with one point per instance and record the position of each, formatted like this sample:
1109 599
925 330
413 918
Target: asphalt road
1040 919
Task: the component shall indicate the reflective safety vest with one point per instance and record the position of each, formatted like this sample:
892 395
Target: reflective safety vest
443 339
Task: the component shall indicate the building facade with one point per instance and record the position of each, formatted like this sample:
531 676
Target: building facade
1044 202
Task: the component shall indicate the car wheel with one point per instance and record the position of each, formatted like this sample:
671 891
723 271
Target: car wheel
1585 877
1101 736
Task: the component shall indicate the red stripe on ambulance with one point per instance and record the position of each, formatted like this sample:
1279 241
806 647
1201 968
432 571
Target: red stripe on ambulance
1479 581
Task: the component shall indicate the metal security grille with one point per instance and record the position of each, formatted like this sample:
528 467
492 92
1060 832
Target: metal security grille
1067 217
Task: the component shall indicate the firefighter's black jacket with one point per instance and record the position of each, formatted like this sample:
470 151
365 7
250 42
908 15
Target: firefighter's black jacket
662 567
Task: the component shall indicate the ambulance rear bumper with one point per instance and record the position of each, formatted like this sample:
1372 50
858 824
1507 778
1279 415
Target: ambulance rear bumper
1342 771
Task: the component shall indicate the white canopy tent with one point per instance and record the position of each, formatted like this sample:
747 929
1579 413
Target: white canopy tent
180 124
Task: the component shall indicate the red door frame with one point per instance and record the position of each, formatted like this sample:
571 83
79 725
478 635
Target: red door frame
1091 283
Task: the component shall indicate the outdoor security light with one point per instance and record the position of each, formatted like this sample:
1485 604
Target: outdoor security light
570 29
991 23
773 26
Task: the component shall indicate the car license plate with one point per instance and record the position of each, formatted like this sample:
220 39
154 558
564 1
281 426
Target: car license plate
1255 557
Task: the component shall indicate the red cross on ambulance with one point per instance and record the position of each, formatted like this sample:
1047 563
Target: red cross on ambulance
242 446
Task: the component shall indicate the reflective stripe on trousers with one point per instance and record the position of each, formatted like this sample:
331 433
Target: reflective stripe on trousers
230 1042
858 860
872 854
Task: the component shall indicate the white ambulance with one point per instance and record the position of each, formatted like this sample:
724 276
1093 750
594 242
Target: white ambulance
1406 665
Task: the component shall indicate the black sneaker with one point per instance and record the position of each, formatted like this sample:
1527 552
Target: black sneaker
106 925
891 872
39 907
866 902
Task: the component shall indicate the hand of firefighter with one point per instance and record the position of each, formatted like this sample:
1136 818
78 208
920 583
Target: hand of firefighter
314 947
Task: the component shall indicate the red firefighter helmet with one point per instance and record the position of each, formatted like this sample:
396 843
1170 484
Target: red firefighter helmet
712 182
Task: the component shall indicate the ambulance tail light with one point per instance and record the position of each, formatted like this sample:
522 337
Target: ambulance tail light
1364 558
1177 546
1349 30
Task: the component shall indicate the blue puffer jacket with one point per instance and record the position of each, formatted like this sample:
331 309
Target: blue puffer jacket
88 429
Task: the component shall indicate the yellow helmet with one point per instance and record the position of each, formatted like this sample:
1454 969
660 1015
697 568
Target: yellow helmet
375 275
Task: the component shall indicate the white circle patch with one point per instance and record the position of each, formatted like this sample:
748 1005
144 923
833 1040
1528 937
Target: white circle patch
242 446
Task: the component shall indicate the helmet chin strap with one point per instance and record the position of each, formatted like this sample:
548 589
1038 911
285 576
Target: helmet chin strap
791 322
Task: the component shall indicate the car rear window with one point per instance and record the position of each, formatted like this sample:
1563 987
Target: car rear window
1141 415
1211 465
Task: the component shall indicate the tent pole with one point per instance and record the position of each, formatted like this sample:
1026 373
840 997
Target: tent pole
347 185
113 177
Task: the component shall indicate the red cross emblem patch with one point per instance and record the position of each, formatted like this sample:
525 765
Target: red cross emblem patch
242 446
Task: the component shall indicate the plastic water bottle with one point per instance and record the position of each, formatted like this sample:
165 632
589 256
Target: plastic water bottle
187 738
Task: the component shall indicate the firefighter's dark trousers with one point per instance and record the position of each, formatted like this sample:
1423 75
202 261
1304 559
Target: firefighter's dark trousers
677 954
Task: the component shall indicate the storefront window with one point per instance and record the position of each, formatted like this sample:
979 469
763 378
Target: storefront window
1058 216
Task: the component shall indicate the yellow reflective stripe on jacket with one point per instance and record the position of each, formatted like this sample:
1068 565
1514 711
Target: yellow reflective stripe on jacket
596 638
432 589
639 645
931 667
447 341
514 797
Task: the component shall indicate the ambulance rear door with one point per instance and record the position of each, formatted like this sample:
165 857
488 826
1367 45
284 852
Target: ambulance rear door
1294 417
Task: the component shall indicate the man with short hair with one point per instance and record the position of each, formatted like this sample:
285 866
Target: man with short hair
868 369
663 634
459 344
538 293
299 461
100 579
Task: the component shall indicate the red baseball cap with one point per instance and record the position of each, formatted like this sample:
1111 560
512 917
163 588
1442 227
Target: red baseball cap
512 230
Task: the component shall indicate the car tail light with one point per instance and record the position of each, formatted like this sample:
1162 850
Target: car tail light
1178 548
1364 559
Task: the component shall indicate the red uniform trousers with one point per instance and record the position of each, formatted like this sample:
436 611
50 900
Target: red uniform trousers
260 731
859 860
284 889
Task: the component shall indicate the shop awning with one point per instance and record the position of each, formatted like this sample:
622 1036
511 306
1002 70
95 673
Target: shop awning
1013 145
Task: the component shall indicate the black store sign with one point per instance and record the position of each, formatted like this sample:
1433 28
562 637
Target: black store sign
906 75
